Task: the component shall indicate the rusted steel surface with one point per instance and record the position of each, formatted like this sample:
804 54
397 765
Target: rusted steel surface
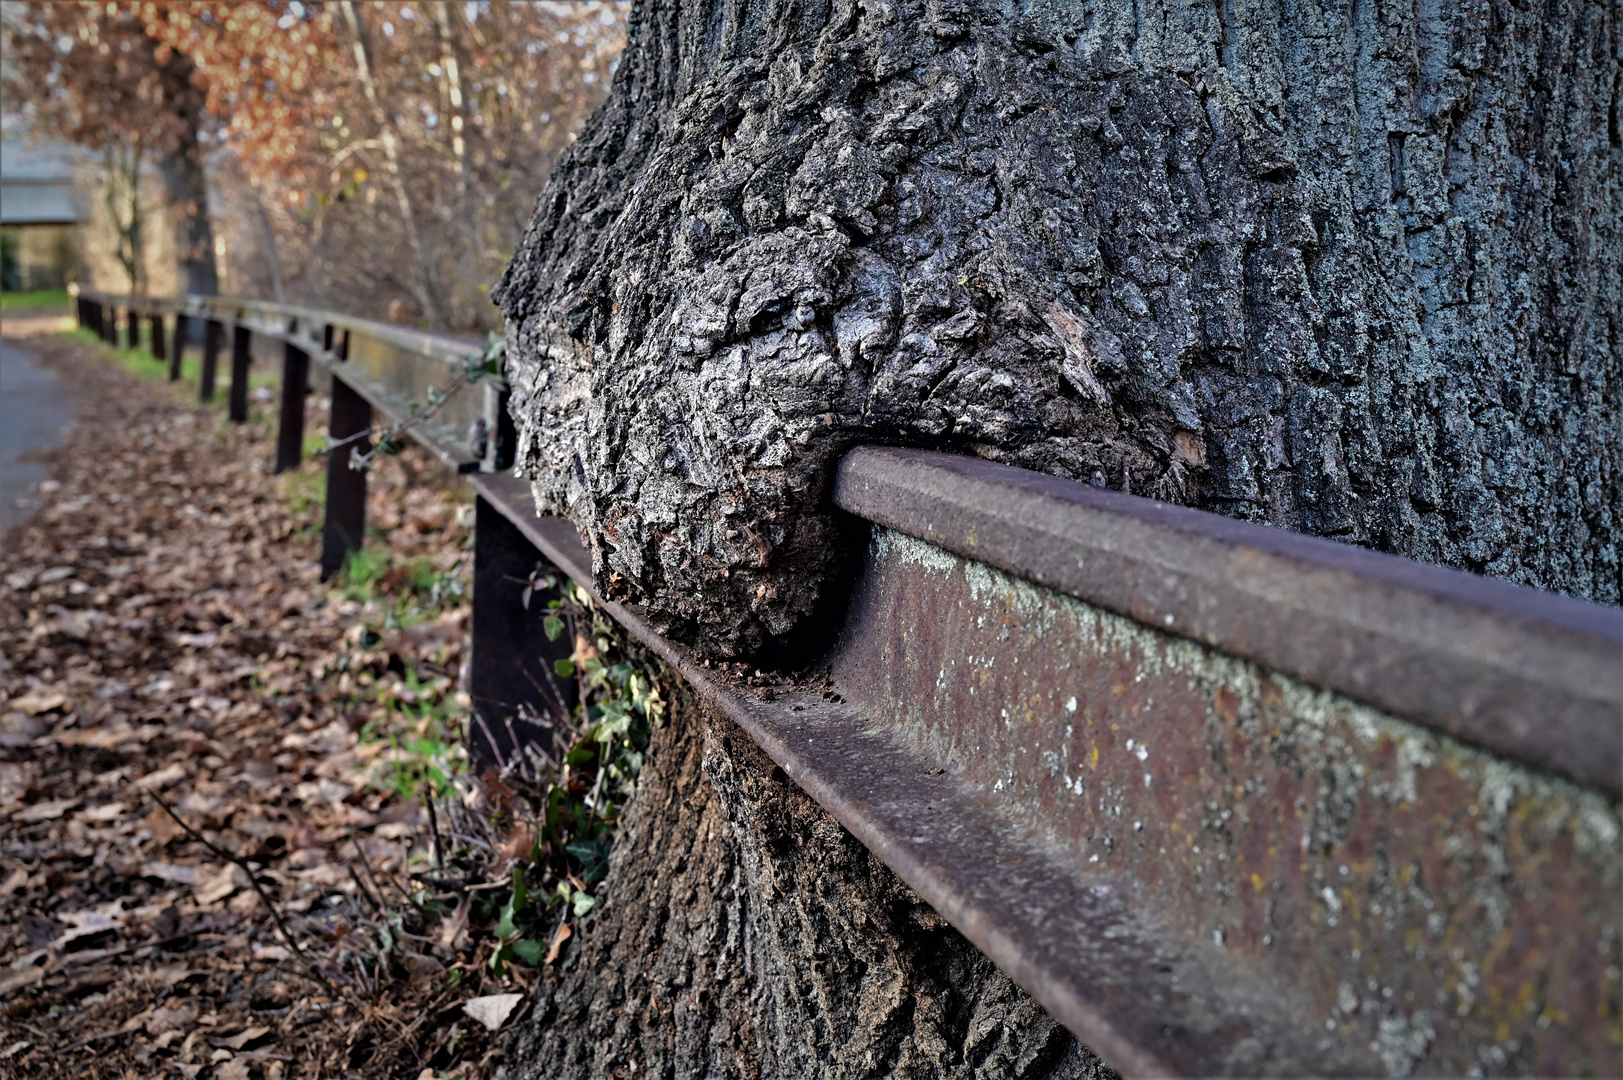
1409 900
1530 674
1303 885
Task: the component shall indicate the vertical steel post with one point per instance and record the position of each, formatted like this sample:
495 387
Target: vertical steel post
211 360
343 525
241 354
132 329
295 385
156 325
182 328
512 659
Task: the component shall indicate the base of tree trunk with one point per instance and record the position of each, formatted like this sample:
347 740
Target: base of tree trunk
746 933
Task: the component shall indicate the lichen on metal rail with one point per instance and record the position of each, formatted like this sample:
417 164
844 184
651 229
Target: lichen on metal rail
1410 894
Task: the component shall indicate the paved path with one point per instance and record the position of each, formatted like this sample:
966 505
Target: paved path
36 409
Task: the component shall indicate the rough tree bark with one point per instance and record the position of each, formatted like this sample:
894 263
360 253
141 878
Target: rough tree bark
1351 269
1346 268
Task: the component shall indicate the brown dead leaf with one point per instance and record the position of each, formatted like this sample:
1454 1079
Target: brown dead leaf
38 701
44 811
171 1018
214 886
241 1039
558 940
163 871
16 880
12 981
162 778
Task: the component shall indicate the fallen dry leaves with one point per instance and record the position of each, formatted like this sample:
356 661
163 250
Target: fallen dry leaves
163 635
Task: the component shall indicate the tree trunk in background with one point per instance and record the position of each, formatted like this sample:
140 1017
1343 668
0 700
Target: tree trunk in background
185 181
1348 269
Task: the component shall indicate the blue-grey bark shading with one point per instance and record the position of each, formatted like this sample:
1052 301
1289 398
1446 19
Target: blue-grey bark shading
1350 269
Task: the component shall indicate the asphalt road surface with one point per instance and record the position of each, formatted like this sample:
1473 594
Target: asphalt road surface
37 408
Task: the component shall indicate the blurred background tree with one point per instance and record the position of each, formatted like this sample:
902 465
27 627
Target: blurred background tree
382 156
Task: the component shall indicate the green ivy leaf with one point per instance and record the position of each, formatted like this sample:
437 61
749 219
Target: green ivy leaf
564 667
528 951
554 627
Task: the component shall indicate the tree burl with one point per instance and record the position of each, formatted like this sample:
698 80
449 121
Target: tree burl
1351 270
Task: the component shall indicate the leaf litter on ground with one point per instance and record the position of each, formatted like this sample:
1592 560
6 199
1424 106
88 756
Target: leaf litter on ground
238 836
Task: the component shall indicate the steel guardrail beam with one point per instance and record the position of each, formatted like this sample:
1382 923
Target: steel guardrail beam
1198 865
392 367
1532 675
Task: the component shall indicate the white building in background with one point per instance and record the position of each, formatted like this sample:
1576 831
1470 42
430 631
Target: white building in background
41 209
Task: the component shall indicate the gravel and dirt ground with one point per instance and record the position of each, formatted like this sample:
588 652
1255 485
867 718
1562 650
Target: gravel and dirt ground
216 854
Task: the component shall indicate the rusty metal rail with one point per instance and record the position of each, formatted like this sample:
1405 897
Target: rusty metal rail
1225 800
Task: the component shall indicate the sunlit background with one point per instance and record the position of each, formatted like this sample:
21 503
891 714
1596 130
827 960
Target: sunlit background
380 156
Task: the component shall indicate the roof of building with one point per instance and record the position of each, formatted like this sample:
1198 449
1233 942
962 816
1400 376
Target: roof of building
37 184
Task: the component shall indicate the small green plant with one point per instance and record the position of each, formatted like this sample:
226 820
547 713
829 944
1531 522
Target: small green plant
584 791
362 571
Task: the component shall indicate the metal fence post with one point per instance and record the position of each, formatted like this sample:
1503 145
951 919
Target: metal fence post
512 660
182 328
211 360
241 354
156 325
343 526
132 329
295 385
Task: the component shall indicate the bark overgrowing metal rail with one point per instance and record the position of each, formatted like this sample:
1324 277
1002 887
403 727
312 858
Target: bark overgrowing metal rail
1223 799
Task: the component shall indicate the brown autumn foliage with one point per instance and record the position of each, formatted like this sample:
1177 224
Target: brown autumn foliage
163 637
381 156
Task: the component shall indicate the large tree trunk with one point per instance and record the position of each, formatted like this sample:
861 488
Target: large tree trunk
185 181
1350 269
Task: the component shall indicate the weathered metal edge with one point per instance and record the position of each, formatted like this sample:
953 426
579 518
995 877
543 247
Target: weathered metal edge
869 783
1531 675
443 347
237 311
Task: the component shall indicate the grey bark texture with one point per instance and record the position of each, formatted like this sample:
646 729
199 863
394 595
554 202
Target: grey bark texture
1347 268
746 934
